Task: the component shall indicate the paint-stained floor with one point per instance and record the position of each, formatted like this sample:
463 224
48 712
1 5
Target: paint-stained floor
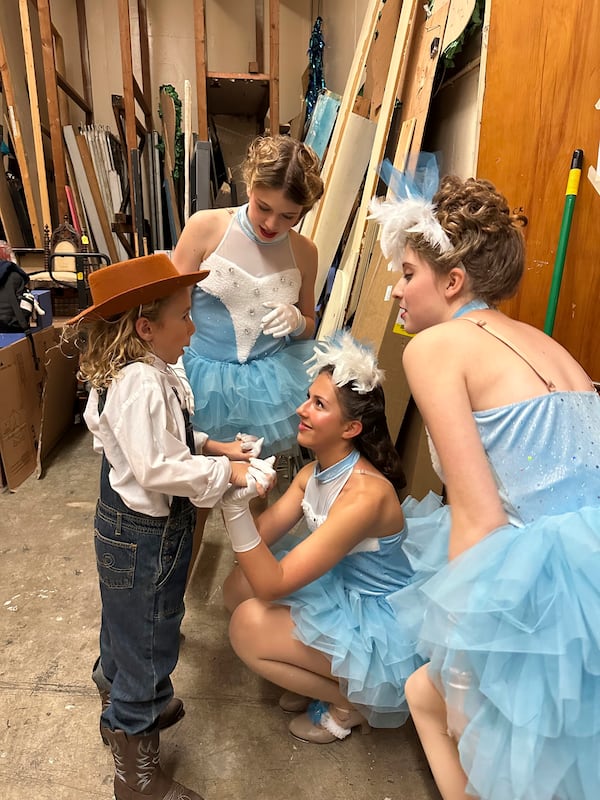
233 741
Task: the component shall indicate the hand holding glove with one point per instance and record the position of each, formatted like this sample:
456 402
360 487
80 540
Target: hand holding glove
263 473
285 319
250 444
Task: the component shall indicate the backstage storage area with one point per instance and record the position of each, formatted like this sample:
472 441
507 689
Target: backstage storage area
120 119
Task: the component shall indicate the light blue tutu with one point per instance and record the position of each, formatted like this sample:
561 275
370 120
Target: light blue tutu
345 614
511 626
259 396
518 617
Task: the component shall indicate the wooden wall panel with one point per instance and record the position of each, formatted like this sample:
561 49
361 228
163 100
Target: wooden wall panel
542 83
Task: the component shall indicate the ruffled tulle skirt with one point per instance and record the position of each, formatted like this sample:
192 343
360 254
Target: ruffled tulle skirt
512 629
372 643
259 397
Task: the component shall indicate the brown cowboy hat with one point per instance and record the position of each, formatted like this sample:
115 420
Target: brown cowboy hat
127 284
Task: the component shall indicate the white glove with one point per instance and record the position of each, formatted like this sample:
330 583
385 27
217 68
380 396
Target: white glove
238 519
261 470
250 444
285 319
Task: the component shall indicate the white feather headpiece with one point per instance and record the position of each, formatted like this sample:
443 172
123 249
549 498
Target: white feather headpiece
400 217
352 362
411 209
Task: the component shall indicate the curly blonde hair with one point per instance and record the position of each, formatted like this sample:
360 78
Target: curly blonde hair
108 345
280 162
486 237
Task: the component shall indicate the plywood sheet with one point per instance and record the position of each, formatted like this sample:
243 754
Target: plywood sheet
550 51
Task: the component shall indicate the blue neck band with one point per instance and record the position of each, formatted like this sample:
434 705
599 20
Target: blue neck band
246 226
333 472
474 305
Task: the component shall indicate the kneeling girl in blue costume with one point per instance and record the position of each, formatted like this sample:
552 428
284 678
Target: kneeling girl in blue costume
315 619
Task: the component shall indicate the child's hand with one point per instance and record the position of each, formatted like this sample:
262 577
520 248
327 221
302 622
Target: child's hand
263 473
260 471
250 445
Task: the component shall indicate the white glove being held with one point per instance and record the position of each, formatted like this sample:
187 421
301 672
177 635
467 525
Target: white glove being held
285 319
250 444
262 471
237 517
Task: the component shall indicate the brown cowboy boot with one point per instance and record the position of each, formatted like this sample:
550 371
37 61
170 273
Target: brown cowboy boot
138 775
173 712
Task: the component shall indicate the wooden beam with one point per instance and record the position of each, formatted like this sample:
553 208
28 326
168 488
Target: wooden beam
128 89
353 84
35 112
56 139
17 137
145 65
200 41
274 66
85 61
259 13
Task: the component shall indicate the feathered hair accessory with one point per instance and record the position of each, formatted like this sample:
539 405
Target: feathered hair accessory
352 363
410 209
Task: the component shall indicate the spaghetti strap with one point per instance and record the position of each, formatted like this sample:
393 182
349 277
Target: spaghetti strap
372 474
481 323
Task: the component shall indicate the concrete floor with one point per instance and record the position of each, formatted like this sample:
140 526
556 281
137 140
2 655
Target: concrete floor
233 742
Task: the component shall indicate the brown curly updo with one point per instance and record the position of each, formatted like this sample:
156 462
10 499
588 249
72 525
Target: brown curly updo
280 162
487 238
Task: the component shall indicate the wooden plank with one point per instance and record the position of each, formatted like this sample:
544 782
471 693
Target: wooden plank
92 180
259 16
380 54
355 77
56 140
334 314
187 147
200 48
351 164
34 107
12 60
274 66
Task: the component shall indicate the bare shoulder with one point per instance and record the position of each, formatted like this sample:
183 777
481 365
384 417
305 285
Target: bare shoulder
200 237
429 342
368 490
305 250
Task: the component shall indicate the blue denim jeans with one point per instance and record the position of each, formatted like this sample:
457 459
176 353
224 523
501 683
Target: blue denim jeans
142 565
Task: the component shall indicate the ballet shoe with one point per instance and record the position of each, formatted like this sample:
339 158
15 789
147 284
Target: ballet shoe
294 703
324 723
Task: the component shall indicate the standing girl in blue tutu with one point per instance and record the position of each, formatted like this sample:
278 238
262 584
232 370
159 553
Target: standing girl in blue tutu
315 619
508 707
256 309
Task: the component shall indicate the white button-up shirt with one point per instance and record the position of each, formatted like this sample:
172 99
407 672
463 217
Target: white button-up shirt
142 433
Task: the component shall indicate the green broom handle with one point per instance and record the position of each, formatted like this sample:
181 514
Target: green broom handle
563 239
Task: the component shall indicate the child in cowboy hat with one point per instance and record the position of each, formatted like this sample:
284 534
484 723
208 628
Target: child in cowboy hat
151 483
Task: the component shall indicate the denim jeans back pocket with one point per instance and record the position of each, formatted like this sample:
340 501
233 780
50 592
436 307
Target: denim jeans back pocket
115 561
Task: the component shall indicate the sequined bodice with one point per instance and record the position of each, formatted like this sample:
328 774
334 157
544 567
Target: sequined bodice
227 304
544 453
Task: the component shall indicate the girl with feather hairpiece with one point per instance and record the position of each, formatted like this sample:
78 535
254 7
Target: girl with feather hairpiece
507 706
312 616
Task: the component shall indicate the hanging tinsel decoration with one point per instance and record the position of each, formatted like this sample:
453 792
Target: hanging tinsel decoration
316 80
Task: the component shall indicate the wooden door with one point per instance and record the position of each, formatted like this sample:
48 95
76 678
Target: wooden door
541 87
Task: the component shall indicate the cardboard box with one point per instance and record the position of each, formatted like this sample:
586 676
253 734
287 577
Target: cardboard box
413 448
37 401
375 322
